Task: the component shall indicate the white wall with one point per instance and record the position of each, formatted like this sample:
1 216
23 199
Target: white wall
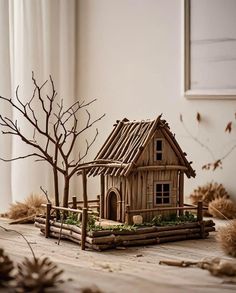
131 58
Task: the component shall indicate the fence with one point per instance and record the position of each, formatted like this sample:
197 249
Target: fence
84 211
186 207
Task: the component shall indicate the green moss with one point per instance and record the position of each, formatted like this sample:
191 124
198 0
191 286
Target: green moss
173 219
160 220
72 219
123 227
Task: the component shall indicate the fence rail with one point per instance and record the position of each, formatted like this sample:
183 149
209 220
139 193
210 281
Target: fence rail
86 210
81 201
199 208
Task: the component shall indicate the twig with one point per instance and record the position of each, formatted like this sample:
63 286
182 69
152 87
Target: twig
46 194
219 212
178 263
59 237
30 247
197 140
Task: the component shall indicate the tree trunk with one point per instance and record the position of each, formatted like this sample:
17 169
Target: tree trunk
56 187
66 191
56 191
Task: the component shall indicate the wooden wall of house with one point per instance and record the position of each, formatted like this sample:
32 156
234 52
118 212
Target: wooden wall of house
148 155
120 183
138 190
141 193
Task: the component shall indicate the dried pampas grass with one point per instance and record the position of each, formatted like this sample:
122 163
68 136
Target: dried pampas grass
27 209
227 238
18 210
207 193
222 208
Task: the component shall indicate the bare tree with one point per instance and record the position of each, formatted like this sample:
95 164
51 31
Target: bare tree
54 137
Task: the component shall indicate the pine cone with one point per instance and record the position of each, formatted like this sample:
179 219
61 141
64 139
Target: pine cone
6 267
36 275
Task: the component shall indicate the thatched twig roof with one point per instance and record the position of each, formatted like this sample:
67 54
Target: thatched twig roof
126 143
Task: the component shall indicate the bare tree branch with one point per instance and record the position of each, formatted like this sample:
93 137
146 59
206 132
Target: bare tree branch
56 135
23 157
46 194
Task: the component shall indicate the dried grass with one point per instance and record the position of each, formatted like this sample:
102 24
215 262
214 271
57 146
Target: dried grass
18 210
222 208
207 193
227 238
31 206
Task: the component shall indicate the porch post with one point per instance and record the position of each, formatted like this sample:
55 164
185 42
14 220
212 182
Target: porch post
181 191
85 197
84 210
102 182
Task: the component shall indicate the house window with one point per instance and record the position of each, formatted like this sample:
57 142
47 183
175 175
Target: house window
159 149
162 193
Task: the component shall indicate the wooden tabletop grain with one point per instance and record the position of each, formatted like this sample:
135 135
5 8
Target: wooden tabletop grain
130 270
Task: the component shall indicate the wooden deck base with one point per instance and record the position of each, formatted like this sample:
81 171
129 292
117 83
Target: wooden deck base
108 239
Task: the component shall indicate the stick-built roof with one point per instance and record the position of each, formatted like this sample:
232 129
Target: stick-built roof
126 143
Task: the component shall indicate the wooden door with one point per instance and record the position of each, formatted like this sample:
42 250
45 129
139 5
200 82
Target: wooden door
112 206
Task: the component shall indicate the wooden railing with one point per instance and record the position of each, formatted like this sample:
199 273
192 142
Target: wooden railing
92 203
199 208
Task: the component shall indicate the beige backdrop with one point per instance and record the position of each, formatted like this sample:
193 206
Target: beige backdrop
129 54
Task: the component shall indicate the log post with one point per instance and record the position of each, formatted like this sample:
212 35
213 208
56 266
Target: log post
128 215
84 227
200 211
202 229
74 202
181 192
84 210
102 182
85 196
98 208
47 224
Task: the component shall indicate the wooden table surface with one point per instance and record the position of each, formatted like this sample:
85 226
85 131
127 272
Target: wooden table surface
134 269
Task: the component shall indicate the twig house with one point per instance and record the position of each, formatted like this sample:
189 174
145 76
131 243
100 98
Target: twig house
143 169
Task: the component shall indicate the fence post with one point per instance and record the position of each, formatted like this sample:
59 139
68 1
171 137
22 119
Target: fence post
85 196
84 227
74 202
47 224
128 215
200 211
98 208
181 192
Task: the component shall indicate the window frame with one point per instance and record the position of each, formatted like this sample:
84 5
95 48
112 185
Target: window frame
162 193
158 151
211 93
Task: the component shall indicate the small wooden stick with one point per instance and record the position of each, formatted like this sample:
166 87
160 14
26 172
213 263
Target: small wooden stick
178 263
23 220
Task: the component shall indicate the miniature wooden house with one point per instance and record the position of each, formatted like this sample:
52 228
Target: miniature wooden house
142 167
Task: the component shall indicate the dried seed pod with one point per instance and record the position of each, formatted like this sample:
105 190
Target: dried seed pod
222 208
36 275
227 238
208 192
93 289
